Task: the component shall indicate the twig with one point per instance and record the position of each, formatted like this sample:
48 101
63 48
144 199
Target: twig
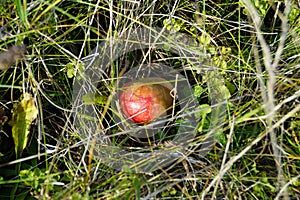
271 65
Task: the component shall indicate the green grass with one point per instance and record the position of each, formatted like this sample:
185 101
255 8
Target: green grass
249 54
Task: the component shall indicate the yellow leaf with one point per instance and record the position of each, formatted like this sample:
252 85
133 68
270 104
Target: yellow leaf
22 118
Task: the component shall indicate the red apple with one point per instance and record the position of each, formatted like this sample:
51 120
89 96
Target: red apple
144 101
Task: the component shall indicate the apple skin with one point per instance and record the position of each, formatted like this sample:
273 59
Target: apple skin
143 103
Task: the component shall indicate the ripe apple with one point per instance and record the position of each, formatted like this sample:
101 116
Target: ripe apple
145 101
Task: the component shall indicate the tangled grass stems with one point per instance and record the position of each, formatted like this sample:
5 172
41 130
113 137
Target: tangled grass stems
254 47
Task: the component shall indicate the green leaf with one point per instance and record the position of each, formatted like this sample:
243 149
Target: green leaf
225 50
204 39
203 110
231 87
21 9
198 90
22 118
75 69
90 99
70 70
